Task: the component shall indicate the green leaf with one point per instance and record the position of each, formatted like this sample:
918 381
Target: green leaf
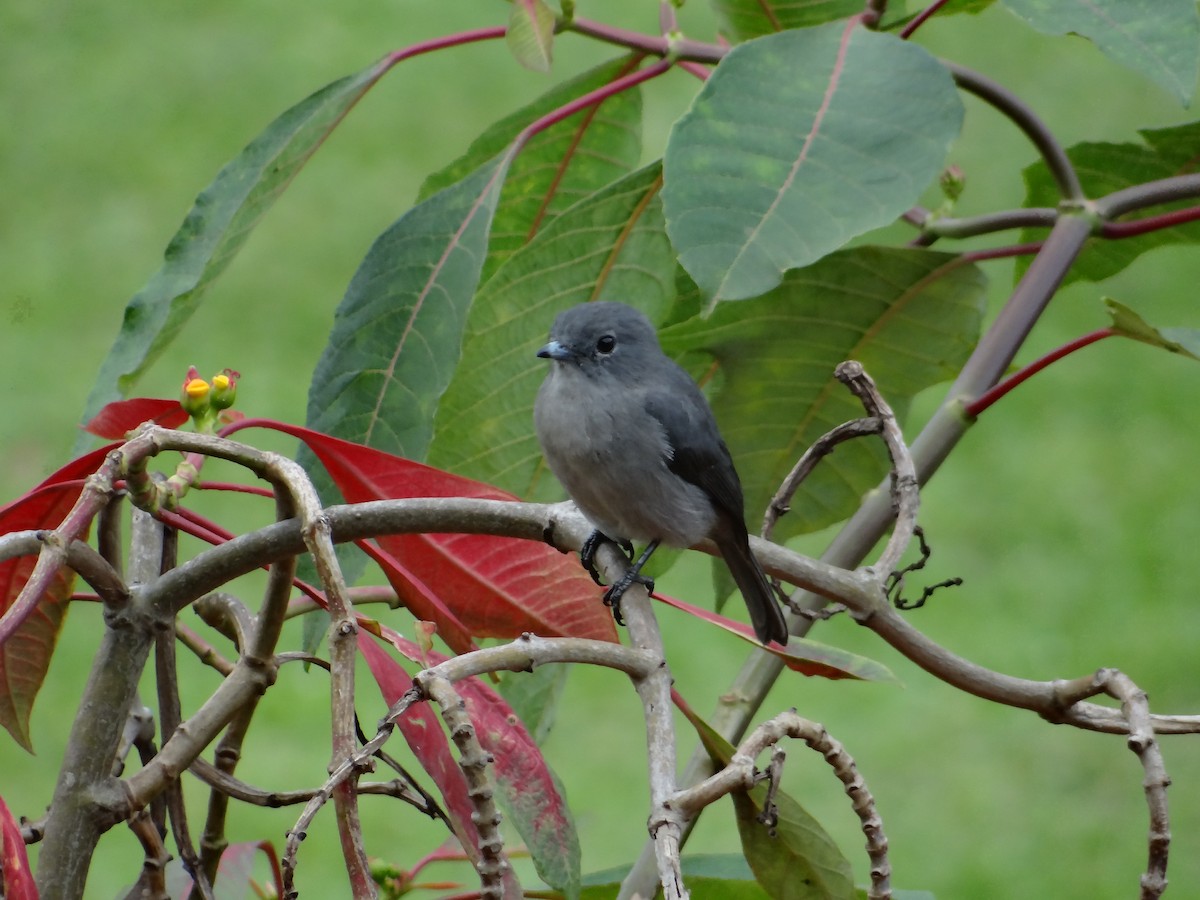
909 316
530 34
398 330
801 862
709 876
610 246
1156 38
1104 168
740 20
1185 341
557 167
217 226
534 696
798 142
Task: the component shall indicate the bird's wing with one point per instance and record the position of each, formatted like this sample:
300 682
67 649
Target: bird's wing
699 455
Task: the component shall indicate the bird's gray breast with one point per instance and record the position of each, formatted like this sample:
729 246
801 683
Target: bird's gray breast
611 455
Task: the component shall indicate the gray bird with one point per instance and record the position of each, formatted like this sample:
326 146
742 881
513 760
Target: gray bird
632 439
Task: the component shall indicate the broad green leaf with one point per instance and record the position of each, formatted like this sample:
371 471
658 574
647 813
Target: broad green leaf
530 34
740 20
798 142
909 316
707 876
398 330
610 246
801 861
217 226
1185 341
557 167
534 696
1157 38
1104 168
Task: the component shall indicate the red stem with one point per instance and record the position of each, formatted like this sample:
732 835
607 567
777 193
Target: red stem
1150 223
624 83
449 40
990 396
921 18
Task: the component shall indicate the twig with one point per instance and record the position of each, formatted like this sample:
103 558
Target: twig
741 774
781 503
1143 743
1023 116
906 497
493 866
921 18
236 789
989 223
1151 193
152 884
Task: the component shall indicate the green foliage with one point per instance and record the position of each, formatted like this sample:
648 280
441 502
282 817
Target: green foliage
398 329
1105 168
216 228
776 355
609 246
750 193
798 144
1154 37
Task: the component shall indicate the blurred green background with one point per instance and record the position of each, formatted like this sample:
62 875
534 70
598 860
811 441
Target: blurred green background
1070 510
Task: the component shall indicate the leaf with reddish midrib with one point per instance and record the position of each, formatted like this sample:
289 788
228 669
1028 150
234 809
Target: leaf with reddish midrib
218 225
800 655
527 789
496 586
749 193
25 656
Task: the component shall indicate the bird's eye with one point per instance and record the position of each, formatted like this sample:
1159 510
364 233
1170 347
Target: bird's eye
606 345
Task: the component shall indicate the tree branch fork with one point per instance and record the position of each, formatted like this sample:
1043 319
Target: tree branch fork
103 798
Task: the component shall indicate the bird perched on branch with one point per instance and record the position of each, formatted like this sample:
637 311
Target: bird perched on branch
632 439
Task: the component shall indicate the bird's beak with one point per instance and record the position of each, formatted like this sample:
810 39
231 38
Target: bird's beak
554 350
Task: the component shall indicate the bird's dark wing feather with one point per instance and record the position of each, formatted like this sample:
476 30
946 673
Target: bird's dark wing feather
699 454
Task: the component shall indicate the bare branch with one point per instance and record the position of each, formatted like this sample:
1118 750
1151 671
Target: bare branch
781 503
495 872
741 774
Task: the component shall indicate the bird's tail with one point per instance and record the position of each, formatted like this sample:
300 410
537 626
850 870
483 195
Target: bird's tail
765 614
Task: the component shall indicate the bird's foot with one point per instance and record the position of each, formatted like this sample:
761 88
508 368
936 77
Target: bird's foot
612 597
587 553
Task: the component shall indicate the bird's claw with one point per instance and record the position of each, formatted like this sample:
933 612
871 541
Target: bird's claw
587 553
612 597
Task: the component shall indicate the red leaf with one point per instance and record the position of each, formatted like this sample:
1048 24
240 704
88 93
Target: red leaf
423 731
122 416
495 586
25 656
14 864
525 783
800 655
